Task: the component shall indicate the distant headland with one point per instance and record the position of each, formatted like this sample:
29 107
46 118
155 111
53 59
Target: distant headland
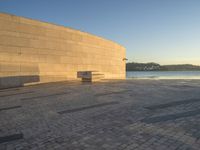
133 66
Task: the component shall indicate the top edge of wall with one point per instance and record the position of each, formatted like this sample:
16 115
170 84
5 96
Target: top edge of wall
21 19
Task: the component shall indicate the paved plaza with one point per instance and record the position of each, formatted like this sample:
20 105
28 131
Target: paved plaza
115 115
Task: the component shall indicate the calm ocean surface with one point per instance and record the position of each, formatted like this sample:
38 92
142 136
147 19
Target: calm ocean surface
163 74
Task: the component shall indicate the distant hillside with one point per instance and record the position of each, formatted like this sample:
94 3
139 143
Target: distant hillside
157 67
142 66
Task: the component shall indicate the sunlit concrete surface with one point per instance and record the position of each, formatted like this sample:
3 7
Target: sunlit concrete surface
115 115
34 52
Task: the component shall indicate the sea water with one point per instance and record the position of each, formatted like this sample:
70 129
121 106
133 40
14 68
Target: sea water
163 74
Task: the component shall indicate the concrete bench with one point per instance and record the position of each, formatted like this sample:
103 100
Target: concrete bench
90 76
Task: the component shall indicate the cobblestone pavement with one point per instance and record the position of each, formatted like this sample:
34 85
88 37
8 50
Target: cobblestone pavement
120 115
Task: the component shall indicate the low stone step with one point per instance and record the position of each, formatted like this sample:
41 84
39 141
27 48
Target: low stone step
90 76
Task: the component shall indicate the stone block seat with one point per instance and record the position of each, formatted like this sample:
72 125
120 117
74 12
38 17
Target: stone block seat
90 76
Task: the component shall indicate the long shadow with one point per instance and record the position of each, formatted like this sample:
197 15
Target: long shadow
172 117
172 104
88 107
11 138
17 81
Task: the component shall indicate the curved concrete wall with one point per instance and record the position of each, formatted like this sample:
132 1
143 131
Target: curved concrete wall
32 52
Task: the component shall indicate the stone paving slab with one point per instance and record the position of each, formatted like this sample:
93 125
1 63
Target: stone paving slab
44 96
172 104
107 116
114 92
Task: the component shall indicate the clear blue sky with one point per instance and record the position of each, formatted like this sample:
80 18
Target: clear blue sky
163 31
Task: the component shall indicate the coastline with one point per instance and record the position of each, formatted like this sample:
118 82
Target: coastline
163 74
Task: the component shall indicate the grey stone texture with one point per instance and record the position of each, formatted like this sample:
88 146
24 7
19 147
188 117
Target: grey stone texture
110 115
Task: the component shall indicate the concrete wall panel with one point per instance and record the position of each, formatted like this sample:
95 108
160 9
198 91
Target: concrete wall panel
34 52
